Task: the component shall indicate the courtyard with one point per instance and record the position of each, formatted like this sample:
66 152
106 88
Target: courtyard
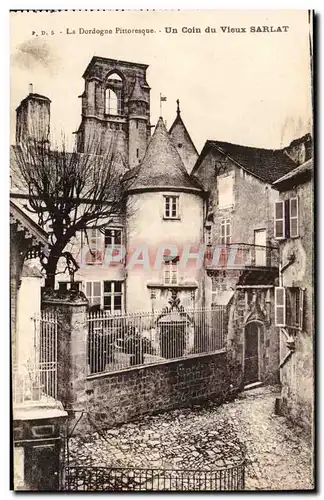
278 455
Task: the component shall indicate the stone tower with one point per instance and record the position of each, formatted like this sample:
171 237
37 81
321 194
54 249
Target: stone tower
33 118
116 108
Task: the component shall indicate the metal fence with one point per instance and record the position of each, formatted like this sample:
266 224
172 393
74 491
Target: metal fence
139 479
35 379
120 341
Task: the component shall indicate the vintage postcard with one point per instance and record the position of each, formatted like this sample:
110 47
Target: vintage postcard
161 250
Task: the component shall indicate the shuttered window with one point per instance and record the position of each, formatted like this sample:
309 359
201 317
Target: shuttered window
286 219
289 307
279 220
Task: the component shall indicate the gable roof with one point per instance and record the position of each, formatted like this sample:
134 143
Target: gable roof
161 167
265 164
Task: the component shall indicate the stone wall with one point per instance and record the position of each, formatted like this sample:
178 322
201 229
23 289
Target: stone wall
297 375
115 398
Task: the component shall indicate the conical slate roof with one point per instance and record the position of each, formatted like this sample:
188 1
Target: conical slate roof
138 93
183 142
162 166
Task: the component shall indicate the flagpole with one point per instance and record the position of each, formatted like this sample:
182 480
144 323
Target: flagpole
160 104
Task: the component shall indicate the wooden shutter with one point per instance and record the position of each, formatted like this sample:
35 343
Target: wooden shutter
279 220
280 306
293 218
294 307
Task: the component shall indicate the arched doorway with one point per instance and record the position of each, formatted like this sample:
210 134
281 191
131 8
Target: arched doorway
252 353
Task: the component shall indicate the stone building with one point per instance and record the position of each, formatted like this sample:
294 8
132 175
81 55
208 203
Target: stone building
116 109
294 303
242 269
167 210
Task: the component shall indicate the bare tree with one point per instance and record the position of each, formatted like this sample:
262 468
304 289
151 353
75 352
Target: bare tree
69 191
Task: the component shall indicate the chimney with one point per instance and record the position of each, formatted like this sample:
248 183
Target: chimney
33 118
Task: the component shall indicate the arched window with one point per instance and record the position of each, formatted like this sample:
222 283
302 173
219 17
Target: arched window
114 76
112 103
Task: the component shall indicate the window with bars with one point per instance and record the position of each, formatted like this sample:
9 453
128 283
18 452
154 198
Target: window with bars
289 307
170 272
225 232
286 219
171 207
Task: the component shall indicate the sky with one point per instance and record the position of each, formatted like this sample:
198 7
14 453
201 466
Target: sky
243 87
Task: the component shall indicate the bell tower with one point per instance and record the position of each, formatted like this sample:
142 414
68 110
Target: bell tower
115 109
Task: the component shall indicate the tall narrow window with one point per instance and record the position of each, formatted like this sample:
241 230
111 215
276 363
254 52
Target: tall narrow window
170 272
112 296
225 236
171 207
111 102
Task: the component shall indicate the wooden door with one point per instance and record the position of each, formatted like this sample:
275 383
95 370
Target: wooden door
251 353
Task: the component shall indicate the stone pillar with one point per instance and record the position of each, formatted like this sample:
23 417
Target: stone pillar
70 308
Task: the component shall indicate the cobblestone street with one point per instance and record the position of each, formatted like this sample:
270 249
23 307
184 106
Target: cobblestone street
278 455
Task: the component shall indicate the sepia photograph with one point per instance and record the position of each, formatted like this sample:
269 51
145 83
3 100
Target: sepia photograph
162 318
